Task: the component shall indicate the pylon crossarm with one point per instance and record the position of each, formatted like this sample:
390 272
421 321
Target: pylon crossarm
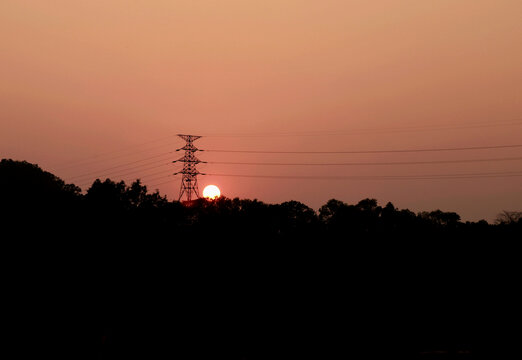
189 159
189 138
185 172
189 147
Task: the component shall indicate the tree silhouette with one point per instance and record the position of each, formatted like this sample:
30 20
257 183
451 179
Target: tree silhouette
296 219
244 277
508 217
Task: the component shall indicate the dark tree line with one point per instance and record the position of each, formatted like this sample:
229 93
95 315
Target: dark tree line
38 198
124 272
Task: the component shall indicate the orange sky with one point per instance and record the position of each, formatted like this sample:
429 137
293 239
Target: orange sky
82 78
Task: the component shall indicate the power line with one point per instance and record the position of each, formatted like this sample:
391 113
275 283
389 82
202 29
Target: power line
516 122
87 163
125 149
122 165
367 178
137 170
132 149
130 172
159 178
368 151
383 177
161 183
368 163
139 174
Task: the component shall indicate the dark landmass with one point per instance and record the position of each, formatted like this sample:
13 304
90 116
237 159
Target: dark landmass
119 272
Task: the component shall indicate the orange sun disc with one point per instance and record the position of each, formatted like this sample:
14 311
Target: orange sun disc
211 192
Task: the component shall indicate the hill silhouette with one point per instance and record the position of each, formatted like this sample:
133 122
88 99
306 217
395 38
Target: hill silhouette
120 272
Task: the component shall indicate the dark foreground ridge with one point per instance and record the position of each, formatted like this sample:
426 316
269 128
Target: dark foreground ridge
119 273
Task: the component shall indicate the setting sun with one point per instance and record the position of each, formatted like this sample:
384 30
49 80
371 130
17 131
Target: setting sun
211 192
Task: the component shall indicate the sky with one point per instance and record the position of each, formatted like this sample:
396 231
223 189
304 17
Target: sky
101 88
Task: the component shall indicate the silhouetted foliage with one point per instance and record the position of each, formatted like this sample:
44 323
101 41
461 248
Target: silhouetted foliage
26 186
239 278
509 217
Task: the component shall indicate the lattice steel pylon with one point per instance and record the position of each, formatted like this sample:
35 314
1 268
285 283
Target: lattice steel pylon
189 180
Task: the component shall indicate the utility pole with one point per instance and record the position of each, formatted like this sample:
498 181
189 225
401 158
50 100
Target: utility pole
189 180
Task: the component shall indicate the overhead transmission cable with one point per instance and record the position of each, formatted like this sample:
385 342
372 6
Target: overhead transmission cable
102 171
367 163
368 151
147 181
86 163
123 165
133 171
382 177
440 127
371 178
135 174
161 183
131 149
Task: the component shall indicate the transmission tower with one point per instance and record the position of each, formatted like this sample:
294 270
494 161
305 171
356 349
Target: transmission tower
189 180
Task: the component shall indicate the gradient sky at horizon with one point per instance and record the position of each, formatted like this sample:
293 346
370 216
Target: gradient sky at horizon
84 78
